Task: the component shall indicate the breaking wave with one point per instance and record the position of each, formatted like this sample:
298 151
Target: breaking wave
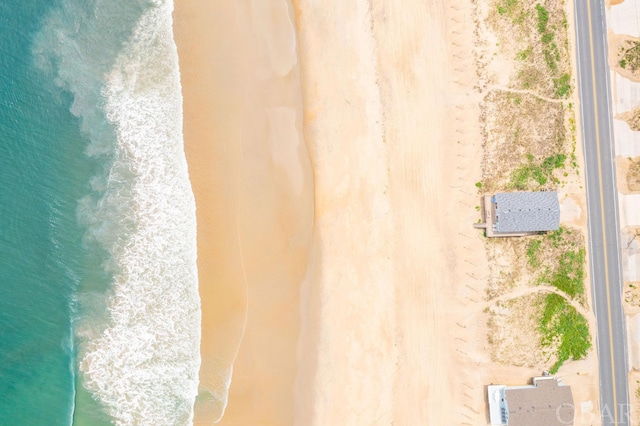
140 358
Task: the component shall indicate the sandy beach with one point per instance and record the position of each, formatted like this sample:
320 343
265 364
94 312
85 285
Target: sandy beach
350 249
253 186
393 158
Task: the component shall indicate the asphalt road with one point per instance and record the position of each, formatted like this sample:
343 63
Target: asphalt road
604 244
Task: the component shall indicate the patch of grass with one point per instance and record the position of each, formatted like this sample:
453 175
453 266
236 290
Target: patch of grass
522 176
563 326
632 293
556 238
562 85
565 261
533 250
478 185
568 276
550 51
512 9
537 31
530 76
630 55
543 18
528 175
572 133
507 7
554 162
550 59
523 55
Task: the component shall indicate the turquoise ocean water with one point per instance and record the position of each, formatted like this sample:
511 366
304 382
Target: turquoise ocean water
99 310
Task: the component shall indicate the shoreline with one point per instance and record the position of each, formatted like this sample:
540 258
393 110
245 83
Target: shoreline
221 283
252 182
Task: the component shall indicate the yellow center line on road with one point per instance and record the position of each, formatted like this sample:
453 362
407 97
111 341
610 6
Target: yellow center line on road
604 230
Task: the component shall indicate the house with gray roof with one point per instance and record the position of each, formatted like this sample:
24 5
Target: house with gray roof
545 402
515 214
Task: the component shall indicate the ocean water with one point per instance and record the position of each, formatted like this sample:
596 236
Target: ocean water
100 313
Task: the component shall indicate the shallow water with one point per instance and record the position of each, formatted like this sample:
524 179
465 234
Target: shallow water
42 175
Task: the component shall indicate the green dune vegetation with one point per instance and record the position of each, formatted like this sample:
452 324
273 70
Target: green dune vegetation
536 285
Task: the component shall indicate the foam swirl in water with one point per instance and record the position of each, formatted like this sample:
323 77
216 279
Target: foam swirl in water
144 364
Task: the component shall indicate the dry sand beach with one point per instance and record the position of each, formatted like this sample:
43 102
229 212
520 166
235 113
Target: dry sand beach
391 156
340 235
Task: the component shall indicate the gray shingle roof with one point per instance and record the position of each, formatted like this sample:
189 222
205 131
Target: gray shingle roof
526 211
545 403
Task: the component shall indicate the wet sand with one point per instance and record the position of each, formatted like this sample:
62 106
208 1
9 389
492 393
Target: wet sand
252 181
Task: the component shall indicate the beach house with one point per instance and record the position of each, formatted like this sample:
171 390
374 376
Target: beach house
545 402
515 214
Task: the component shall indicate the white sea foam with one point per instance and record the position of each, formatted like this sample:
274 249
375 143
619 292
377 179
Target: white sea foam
142 362
144 367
